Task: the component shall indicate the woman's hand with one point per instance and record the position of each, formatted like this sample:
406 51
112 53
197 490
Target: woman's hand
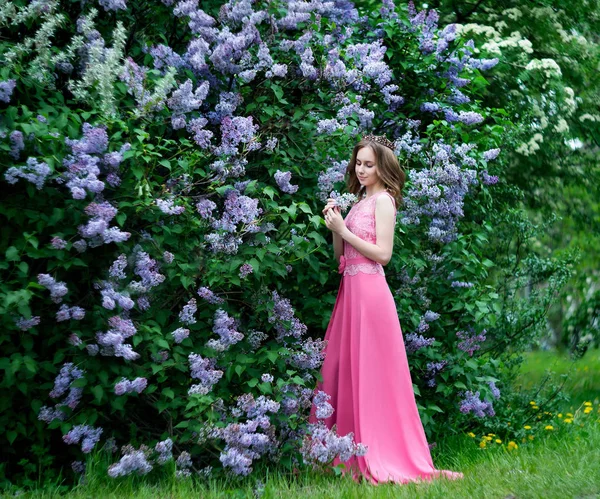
334 221
330 204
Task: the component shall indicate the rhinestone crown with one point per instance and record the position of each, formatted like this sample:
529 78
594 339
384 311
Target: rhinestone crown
380 139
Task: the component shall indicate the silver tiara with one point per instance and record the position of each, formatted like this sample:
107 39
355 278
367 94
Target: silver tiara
380 139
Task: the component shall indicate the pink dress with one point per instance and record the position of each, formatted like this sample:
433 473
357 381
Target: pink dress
366 371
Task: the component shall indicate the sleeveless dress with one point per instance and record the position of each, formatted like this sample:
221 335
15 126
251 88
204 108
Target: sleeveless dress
366 372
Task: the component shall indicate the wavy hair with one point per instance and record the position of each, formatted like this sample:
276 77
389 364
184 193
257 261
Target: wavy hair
391 173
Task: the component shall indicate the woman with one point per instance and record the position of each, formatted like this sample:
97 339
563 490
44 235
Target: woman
365 369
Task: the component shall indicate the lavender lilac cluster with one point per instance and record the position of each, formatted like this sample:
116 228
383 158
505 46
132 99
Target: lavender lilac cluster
112 342
204 370
472 403
63 386
470 343
135 461
283 318
87 435
65 313
283 181
124 386
206 294
97 231
57 289
33 171
225 327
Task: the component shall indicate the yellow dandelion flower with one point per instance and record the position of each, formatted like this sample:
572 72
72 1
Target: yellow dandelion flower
508 424
531 437
527 427
549 427
587 410
535 407
587 403
546 412
491 434
482 444
471 434
512 445
498 441
533 403
560 414
569 415
489 439
568 420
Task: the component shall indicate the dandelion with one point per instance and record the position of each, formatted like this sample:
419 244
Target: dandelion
560 414
527 427
482 444
568 420
512 445
549 427
471 434
498 441
587 410
587 403
531 437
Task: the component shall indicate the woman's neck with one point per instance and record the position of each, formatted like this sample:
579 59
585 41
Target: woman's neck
371 191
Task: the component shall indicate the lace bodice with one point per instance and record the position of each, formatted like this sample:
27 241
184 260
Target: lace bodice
360 220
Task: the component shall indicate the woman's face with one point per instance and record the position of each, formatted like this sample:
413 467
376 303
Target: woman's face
366 167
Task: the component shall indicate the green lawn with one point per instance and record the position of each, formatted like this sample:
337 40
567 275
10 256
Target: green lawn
561 463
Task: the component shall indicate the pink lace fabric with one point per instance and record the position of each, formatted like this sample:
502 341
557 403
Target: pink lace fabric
361 221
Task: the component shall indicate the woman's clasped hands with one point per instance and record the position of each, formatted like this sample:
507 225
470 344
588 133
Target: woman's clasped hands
333 217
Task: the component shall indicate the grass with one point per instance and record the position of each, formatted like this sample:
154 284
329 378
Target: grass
559 463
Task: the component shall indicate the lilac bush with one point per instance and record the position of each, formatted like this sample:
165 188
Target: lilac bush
170 202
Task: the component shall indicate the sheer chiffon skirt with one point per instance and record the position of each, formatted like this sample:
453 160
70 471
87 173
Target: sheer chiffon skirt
366 373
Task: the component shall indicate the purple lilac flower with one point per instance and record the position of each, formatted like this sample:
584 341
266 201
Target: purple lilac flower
205 208
87 435
322 445
17 144
470 117
113 4
255 338
245 270
488 179
344 201
34 171
168 257
431 316
310 354
238 208
75 340
165 451
57 289
203 370
184 101
24 324
283 181
145 268
328 126
235 131
138 385
470 343
206 294
6 89
494 389
65 313
282 314
97 230
180 334
267 378
491 154
167 207
134 461
324 408
472 403
58 243
117 269
186 316
415 342
224 327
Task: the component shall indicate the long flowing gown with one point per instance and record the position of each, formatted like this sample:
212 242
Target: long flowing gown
366 371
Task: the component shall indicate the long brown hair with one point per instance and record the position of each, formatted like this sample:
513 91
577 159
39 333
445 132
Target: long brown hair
388 167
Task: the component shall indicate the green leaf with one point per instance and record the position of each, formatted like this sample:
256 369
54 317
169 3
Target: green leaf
12 254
